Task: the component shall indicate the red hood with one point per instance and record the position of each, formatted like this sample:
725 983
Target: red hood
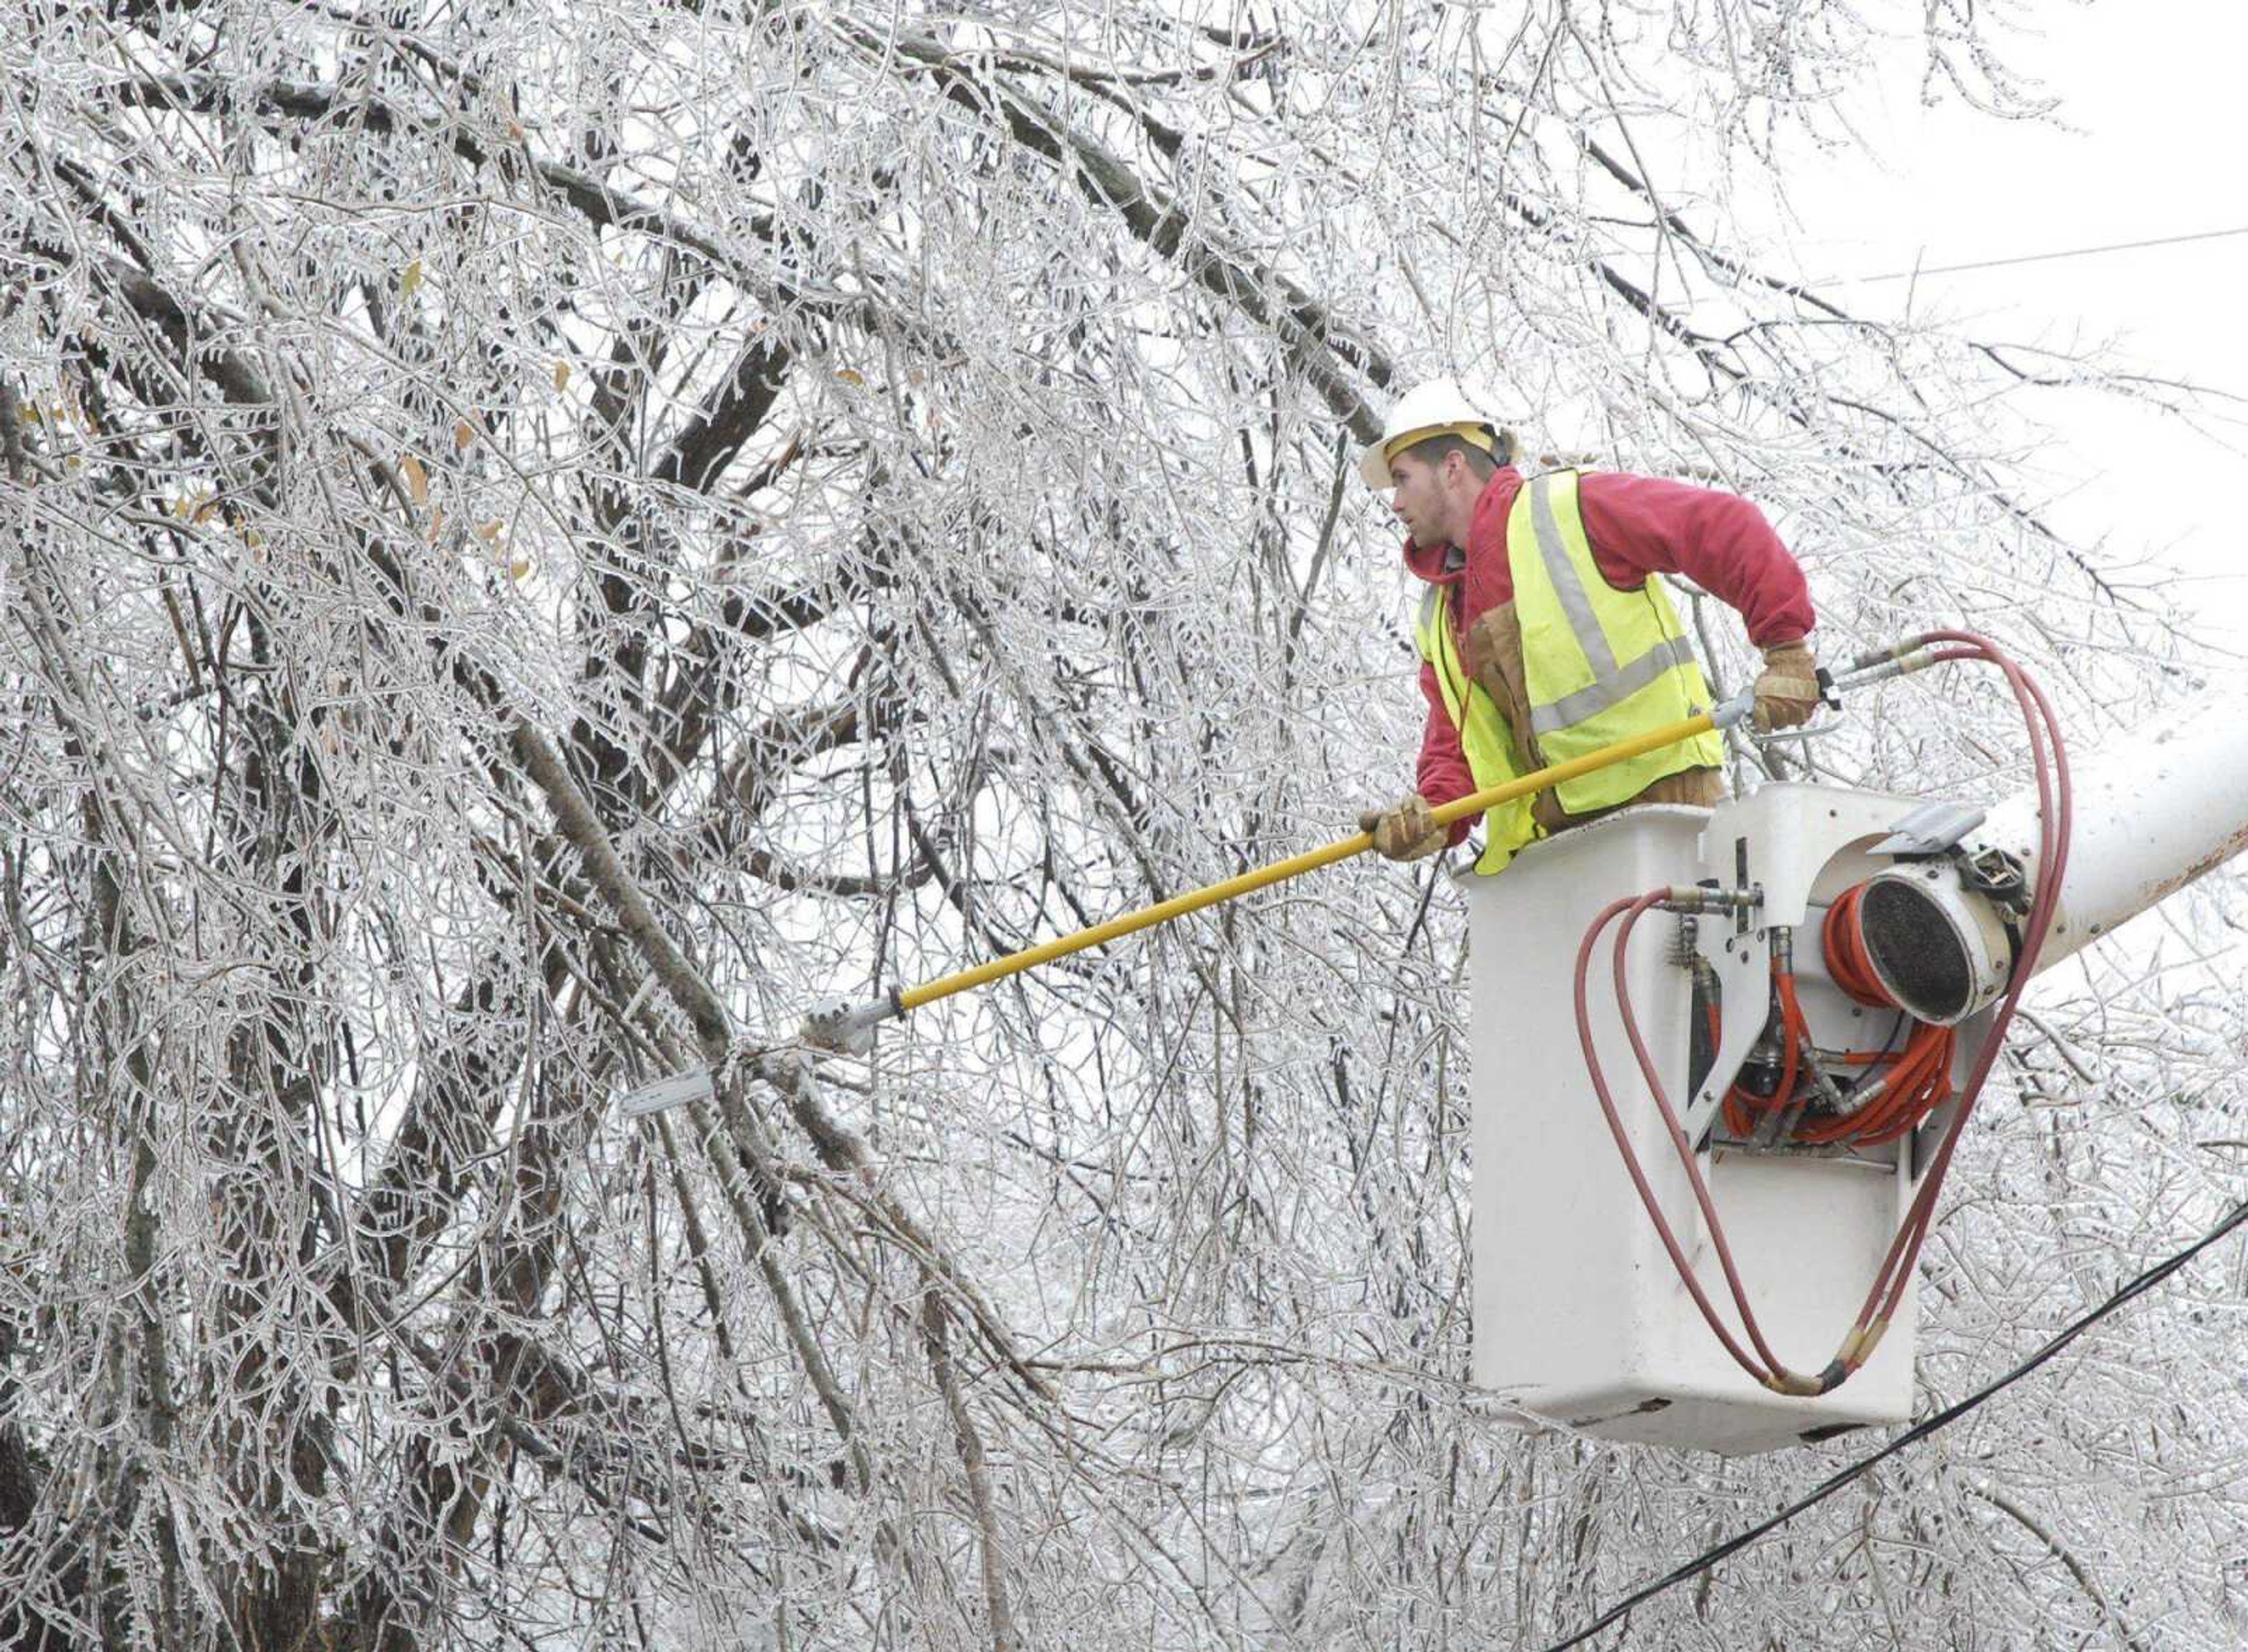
1486 533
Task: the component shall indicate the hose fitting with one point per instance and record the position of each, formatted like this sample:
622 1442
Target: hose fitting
1822 1081
1696 897
1885 655
1878 665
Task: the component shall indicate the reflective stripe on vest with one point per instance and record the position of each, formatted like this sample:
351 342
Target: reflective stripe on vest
1576 628
1485 739
1599 664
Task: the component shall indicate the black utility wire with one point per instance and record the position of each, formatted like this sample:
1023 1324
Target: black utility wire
1912 1436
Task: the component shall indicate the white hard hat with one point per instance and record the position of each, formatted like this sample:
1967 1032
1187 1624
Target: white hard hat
1437 408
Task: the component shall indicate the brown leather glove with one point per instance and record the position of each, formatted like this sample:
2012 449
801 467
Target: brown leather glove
1406 833
1787 693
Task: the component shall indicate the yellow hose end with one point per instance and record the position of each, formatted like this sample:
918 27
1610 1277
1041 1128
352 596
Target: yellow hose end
1789 1382
1858 1346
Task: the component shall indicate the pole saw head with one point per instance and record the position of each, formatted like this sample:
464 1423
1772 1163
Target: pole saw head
848 1029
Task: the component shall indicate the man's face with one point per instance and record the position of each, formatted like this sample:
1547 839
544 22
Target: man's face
1418 499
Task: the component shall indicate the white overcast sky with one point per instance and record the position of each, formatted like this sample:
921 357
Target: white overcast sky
2154 105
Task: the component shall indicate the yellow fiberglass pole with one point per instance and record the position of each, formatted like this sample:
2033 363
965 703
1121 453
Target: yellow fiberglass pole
1280 871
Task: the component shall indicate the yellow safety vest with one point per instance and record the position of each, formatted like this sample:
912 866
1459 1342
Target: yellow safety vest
1600 665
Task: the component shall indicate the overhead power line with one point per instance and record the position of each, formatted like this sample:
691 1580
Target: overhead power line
1912 1436
2036 258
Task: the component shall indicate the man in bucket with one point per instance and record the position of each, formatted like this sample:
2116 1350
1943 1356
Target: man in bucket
1545 635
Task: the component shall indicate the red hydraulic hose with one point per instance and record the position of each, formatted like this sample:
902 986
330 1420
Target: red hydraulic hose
2056 825
1647 1199
1771 1372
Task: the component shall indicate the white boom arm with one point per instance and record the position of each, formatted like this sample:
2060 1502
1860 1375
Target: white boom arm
2153 808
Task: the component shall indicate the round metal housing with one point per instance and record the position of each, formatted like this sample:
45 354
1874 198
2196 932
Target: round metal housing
1938 948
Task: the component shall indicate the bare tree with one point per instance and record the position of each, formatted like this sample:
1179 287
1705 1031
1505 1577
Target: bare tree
540 541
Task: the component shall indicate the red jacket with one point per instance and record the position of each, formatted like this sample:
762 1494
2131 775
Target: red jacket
1638 525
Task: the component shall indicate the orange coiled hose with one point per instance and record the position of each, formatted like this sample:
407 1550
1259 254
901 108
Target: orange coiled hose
1919 1078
